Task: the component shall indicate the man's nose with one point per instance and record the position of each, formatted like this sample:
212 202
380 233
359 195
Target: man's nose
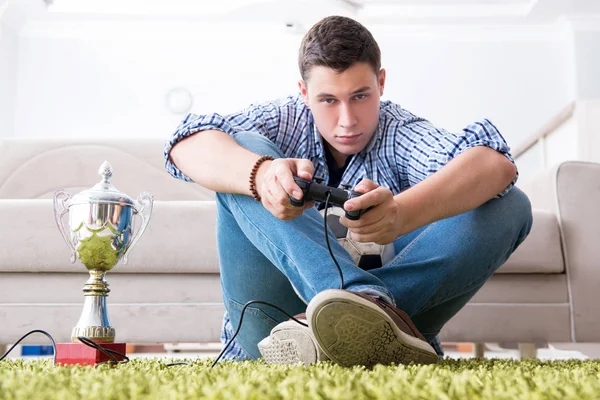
347 117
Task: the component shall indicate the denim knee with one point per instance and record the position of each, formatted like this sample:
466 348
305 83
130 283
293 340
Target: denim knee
484 238
516 212
511 217
258 144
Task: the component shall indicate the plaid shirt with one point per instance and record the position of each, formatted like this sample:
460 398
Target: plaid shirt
404 150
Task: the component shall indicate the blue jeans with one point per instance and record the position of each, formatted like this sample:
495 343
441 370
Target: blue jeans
436 270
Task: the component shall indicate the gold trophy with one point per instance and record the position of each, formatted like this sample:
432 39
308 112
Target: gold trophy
101 232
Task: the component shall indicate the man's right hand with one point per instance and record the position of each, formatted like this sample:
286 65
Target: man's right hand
275 183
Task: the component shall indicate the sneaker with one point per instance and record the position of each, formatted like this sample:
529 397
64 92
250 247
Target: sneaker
356 329
291 343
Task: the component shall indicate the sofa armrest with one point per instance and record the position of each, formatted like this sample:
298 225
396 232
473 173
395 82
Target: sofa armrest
572 191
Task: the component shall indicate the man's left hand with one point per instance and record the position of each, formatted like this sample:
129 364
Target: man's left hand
381 223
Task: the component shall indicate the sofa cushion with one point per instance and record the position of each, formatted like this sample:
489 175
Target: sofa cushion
181 238
541 251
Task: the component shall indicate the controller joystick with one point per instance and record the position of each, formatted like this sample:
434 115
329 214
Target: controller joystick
304 186
314 190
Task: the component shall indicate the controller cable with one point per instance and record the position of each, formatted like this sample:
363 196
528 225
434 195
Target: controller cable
112 353
274 306
88 342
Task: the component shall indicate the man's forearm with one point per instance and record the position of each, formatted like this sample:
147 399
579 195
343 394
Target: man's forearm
215 160
466 182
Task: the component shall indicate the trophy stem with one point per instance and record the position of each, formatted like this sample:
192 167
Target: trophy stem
93 323
96 285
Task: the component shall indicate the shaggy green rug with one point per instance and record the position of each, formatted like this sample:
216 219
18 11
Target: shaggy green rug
450 379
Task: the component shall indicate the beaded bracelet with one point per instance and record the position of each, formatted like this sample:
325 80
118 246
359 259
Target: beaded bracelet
253 176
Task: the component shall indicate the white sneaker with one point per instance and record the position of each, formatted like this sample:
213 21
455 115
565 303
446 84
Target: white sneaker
291 343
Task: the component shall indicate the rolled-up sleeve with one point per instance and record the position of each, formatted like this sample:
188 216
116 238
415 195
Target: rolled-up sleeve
433 148
263 119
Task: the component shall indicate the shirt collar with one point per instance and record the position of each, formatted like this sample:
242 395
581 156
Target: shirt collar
317 144
318 139
376 137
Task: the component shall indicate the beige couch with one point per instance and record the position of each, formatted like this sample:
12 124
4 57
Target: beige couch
169 291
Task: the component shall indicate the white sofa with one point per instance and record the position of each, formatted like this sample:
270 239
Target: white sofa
169 292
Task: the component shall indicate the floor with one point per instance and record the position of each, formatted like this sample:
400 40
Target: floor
212 350
453 350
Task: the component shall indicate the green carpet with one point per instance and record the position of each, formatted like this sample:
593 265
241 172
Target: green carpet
450 379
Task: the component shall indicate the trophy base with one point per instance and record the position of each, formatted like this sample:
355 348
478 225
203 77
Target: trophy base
81 354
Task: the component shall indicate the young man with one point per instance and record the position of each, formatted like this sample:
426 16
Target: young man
445 201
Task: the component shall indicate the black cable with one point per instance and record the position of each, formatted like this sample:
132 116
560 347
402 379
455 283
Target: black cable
92 344
327 240
178 363
108 352
272 305
29 333
240 325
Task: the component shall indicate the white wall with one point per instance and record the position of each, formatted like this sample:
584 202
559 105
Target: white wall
103 84
562 144
8 80
575 138
110 79
516 79
589 122
587 60
530 162
579 137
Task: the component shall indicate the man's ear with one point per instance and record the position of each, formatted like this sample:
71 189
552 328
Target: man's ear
381 81
303 91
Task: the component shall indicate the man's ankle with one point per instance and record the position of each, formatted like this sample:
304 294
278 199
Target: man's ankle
378 294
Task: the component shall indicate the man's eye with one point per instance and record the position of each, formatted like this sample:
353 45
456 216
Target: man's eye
328 101
360 96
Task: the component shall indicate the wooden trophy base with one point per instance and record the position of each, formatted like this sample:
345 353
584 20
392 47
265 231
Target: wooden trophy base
81 354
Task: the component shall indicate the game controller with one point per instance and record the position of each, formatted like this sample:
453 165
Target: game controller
316 190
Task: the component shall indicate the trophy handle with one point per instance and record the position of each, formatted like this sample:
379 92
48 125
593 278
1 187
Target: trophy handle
60 209
145 200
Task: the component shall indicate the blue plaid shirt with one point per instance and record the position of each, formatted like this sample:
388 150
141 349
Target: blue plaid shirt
405 150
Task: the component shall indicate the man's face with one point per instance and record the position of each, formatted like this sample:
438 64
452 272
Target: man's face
345 106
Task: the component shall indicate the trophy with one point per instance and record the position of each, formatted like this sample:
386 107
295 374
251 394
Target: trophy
100 233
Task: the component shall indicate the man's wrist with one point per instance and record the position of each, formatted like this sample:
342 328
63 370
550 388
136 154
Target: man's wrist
260 175
252 180
408 213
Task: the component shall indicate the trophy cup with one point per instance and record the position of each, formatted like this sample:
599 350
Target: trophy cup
100 233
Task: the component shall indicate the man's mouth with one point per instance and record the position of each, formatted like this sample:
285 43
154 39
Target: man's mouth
348 138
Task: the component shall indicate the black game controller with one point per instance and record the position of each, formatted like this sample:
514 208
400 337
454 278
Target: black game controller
315 190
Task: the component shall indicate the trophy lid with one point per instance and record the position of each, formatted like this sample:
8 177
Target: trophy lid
103 192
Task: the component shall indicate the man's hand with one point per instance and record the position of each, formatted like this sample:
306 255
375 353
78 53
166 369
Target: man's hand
381 223
275 182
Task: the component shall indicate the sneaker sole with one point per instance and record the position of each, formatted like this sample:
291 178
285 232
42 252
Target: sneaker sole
353 331
289 343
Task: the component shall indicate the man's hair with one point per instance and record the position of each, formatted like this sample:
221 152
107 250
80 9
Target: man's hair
337 43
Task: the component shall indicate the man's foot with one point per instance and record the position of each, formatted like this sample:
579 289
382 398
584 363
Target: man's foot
291 343
355 329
